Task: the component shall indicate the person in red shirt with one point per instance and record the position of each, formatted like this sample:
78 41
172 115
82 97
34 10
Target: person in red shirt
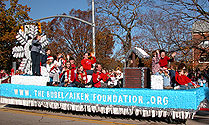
105 75
165 59
181 78
68 75
81 77
86 62
98 77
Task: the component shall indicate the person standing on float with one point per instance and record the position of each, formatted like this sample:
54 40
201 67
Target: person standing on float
35 55
165 59
155 61
87 61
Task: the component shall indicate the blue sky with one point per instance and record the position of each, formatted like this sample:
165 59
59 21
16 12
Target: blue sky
45 8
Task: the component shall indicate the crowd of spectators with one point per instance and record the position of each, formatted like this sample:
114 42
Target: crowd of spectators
177 75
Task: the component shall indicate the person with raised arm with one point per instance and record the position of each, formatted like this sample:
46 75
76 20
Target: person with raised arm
165 59
87 61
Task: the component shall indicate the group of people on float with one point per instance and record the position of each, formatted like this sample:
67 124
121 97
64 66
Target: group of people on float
173 76
64 72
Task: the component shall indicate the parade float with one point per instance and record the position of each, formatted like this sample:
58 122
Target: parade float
139 97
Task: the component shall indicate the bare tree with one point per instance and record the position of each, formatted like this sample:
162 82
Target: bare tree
162 31
121 16
186 9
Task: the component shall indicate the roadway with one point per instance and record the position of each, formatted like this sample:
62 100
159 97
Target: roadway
18 115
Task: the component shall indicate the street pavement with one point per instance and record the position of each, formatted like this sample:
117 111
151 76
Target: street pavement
18 115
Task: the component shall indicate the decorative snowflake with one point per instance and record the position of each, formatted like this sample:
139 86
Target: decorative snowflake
25 38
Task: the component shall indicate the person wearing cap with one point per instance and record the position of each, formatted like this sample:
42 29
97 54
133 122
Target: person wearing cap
49 63
54 73
35 55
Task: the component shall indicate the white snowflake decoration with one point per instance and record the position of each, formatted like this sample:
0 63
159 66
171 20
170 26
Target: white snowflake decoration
23 51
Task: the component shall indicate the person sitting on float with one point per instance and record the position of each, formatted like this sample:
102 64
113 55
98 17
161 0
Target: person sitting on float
98 79
49 63
166 80
68 75
61 61
44 57
119 77
81 77
182 79
105 74
165 59
161 72
172 72
112 81
73 66
54 73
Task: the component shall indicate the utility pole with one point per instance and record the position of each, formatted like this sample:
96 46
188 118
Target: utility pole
93 28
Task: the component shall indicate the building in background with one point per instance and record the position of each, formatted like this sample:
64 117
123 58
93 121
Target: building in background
200 38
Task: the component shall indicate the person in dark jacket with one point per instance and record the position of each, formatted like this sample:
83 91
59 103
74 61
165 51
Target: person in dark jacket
44 57
35 55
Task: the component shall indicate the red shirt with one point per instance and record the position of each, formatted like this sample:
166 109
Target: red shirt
164 61
86 63
73 68
182 79
81 76
96 79
104 77
69 74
